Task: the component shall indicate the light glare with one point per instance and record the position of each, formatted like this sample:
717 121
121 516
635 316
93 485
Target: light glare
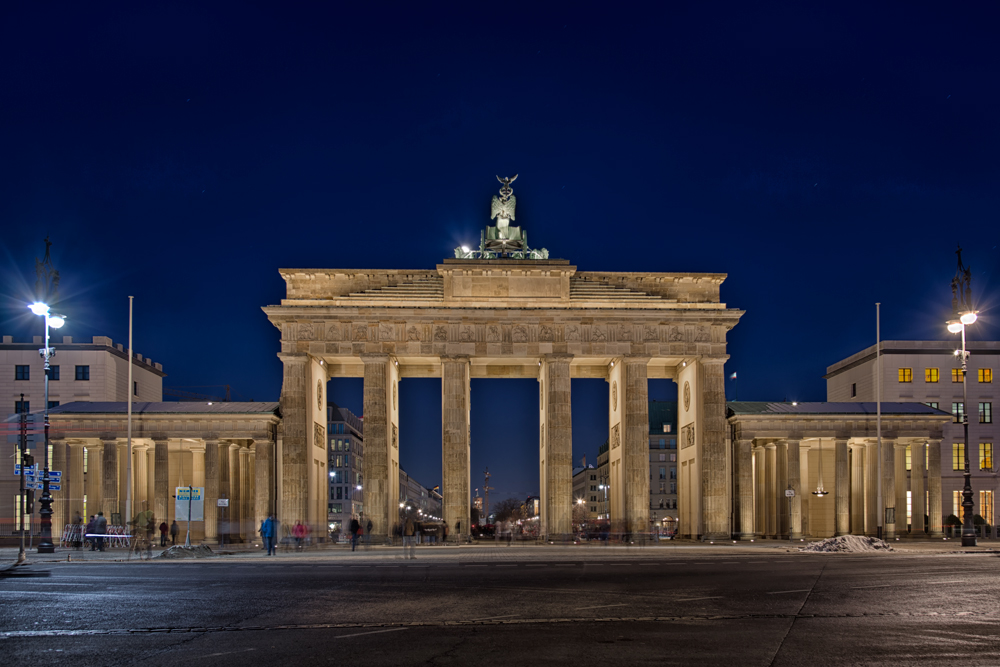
955 327
56 321
39 308
968 318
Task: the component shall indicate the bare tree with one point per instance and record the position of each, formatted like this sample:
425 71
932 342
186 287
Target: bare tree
507 509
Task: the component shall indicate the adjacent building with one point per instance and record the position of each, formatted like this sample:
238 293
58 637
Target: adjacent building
345 440
96 371
663 465
929 372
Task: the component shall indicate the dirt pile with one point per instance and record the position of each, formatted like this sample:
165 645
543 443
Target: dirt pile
179 551
848 544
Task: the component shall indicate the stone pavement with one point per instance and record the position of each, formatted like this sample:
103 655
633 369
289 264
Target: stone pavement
494 552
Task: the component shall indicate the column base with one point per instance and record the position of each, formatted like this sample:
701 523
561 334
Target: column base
938 535
713 537
746 537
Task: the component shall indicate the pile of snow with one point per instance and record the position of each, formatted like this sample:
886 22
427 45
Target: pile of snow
179 551
848 544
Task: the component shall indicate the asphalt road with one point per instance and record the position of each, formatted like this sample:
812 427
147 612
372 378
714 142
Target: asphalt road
496 606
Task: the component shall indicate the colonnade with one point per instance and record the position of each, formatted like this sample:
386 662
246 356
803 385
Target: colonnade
768 468
240 471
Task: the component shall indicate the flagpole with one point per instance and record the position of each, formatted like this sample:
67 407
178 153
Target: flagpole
878 411
128 465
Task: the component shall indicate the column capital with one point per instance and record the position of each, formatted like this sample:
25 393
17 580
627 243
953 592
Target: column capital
713 361
287 358
374 357
557 356
454 358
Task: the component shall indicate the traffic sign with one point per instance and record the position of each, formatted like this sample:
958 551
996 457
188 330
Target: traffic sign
55 475
27 469
55 487
35 486
223 502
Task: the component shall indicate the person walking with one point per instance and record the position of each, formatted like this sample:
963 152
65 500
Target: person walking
368 534
298 532
174 529
163 533
267 533
88 533
100 529
355 529
78 532
408 533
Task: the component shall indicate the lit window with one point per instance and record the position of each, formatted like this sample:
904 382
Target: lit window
909 464
956 503
956 374
958 411
933 404
985 413
986 457
986 375
931 375
986 506
906 375
958 456
18 512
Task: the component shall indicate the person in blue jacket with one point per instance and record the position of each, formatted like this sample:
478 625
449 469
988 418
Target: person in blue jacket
267 533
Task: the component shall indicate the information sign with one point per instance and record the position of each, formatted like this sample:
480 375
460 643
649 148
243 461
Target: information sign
189 498
223 502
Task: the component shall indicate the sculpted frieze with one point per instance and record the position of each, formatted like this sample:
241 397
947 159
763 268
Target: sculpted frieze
616 436
624 332
334 333
703 335
598 333
467 334
360 332
413 334
306 331
545 333
386 331
519 334
675 335
572 332
650 333
441 333
493 333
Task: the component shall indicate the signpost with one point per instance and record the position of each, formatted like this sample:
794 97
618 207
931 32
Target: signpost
190 501
789 493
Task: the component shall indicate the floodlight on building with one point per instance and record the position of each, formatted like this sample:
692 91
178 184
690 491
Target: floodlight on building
954 327
39 308
969 318
56 321
465 248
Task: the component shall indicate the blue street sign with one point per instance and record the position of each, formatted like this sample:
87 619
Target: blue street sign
55 475
32 486
54 487
17 468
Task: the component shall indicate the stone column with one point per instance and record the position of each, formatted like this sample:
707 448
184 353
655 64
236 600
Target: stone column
235 529
60 498
770 494
376 471
455 409
559 447
935 527
795 481
225 514
842 489
781 483
857 490
263 482
95 478
198 476
744 456
150 457
715 471
806 489
760 491
888 486
246 501
74 477
140 483
211 489
917 461
899 461
109 463
161 480
294 444
123 458
871 489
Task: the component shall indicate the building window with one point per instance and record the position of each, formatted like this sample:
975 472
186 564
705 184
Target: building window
673 443
909 464
663 472
986 457
663 457
906 375
854 390
909 507
986 506
593 478
593 487
932 375
933 404
673 487
958 456
986 413
83 372
673 473
673 458
986 375
53 404
663 443
22 406
135 388
958 411
956 503
22 372
53 372
18 512
956 374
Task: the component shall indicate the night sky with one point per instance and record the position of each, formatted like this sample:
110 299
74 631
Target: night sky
825 159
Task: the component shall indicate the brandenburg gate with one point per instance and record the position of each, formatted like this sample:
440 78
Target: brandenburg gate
507 311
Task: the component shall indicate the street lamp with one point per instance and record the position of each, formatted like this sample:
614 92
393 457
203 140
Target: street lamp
52 321
961 304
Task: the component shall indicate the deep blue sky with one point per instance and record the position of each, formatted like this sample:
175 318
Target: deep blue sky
182 152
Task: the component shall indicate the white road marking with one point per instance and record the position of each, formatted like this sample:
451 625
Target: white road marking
373 632
603 606
710 597
490 618
212 655
801 590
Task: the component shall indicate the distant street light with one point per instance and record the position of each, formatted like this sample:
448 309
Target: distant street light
52 321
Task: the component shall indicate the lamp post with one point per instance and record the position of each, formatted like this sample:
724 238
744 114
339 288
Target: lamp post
961 303
53 321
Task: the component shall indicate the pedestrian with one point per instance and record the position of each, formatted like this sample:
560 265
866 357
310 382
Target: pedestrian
174 529
408 532
163 533
368 534
267 534
100 529
89 532
78 532
298 532
355 530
